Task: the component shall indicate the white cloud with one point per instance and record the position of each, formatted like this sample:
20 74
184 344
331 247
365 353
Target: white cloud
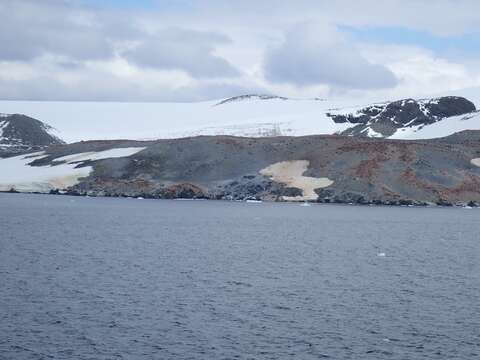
441 17
421 72
313 55
58 49
179 49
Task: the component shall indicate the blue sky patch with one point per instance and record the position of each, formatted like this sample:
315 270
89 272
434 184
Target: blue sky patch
129 4
463 44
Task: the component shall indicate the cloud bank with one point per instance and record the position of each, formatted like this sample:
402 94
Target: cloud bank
312 55
198 50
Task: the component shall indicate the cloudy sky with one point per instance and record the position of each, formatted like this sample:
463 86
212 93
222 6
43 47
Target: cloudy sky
189 50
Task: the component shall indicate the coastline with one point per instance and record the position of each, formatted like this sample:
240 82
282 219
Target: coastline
399 203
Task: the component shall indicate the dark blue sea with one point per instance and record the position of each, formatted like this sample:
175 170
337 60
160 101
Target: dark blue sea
103 278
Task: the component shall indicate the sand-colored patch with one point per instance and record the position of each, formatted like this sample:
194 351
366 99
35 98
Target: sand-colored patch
290 173
475 162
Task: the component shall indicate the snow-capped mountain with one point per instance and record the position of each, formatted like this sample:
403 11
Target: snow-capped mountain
384 120
256 116
23 133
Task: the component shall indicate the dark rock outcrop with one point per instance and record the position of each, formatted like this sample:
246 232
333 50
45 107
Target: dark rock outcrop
363 170
385 119
250 97
20 133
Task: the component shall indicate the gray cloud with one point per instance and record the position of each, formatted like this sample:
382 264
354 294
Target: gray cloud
318 55
84 49
442 17
104 87
191 51
29 30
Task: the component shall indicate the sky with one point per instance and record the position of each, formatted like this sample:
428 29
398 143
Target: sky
195 50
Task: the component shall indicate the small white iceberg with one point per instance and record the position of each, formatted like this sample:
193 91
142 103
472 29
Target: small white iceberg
382 254
305 204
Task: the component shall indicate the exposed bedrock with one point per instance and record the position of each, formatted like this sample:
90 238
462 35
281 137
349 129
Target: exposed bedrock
384 119
312 168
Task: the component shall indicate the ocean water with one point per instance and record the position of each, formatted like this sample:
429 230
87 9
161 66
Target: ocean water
101 278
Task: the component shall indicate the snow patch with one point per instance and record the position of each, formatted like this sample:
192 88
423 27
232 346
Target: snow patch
290 173
106 154
17 172
475 162
3 124
372 133
445 127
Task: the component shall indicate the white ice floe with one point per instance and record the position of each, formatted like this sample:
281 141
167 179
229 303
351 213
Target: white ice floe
16 172
382 254
291 173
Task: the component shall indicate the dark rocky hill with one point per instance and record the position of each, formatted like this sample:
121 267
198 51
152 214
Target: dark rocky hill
20 133
339 169
385 119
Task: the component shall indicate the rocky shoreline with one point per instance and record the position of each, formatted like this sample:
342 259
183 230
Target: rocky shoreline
318 168
278 199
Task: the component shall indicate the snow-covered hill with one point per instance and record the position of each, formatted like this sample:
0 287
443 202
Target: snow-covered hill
251 115
391 118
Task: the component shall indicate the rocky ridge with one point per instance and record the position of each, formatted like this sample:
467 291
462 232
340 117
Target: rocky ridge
250 97
383 120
